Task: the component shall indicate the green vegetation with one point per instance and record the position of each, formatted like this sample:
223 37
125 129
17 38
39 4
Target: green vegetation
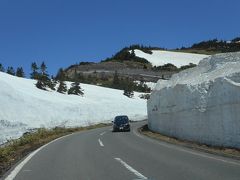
165 67
115 82
126 58
217 45
75 86
75 89
145 96
127 54
14 150
214 46
236 40
191 65
146 49
11 71
196 51
2 69
62 88
171 67
128 88
86 63
61 77
20 72
127 84
34 68
43 80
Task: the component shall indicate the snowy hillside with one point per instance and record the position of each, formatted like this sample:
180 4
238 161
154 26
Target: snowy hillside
159 57
23 106
200 104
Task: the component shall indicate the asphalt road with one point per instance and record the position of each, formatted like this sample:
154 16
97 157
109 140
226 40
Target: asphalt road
102 155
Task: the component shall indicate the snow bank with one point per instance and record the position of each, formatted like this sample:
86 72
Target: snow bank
159 57
200 104
23 106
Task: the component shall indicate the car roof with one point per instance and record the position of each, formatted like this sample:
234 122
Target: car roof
121 116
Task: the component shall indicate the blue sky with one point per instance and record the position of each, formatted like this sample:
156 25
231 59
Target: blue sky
65 32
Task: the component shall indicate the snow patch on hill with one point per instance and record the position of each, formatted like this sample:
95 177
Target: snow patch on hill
200 104
150 85
23 106
160 57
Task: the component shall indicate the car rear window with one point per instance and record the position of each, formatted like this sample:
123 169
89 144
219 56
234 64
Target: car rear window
121 119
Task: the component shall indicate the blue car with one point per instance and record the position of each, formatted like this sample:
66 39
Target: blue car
121 123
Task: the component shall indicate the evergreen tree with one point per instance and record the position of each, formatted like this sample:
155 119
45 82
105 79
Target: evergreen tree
44 82
127 92
40 84
116 81
54 81
132 54
128 88
20 72
51 84
43 68
75 86
75 89
2 68
62 88
11 71
34 68
43 79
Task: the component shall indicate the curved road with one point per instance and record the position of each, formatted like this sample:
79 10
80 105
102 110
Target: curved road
100 154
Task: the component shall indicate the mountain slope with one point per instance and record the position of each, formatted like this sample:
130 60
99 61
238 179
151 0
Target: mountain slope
23 106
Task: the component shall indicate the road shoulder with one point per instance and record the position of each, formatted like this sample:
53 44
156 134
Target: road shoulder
221 151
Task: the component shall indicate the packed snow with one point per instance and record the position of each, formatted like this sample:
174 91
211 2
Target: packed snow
200 104
23 106
160 57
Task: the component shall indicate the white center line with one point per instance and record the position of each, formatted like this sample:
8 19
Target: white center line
100 142
138 174
102 133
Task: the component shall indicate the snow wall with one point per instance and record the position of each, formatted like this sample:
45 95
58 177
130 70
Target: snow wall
201 104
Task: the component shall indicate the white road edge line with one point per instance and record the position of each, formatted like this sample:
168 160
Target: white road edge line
138 174
188 151
100 142
102 133
18 168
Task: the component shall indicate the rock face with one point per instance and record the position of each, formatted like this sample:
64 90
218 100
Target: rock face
106 70
201 104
